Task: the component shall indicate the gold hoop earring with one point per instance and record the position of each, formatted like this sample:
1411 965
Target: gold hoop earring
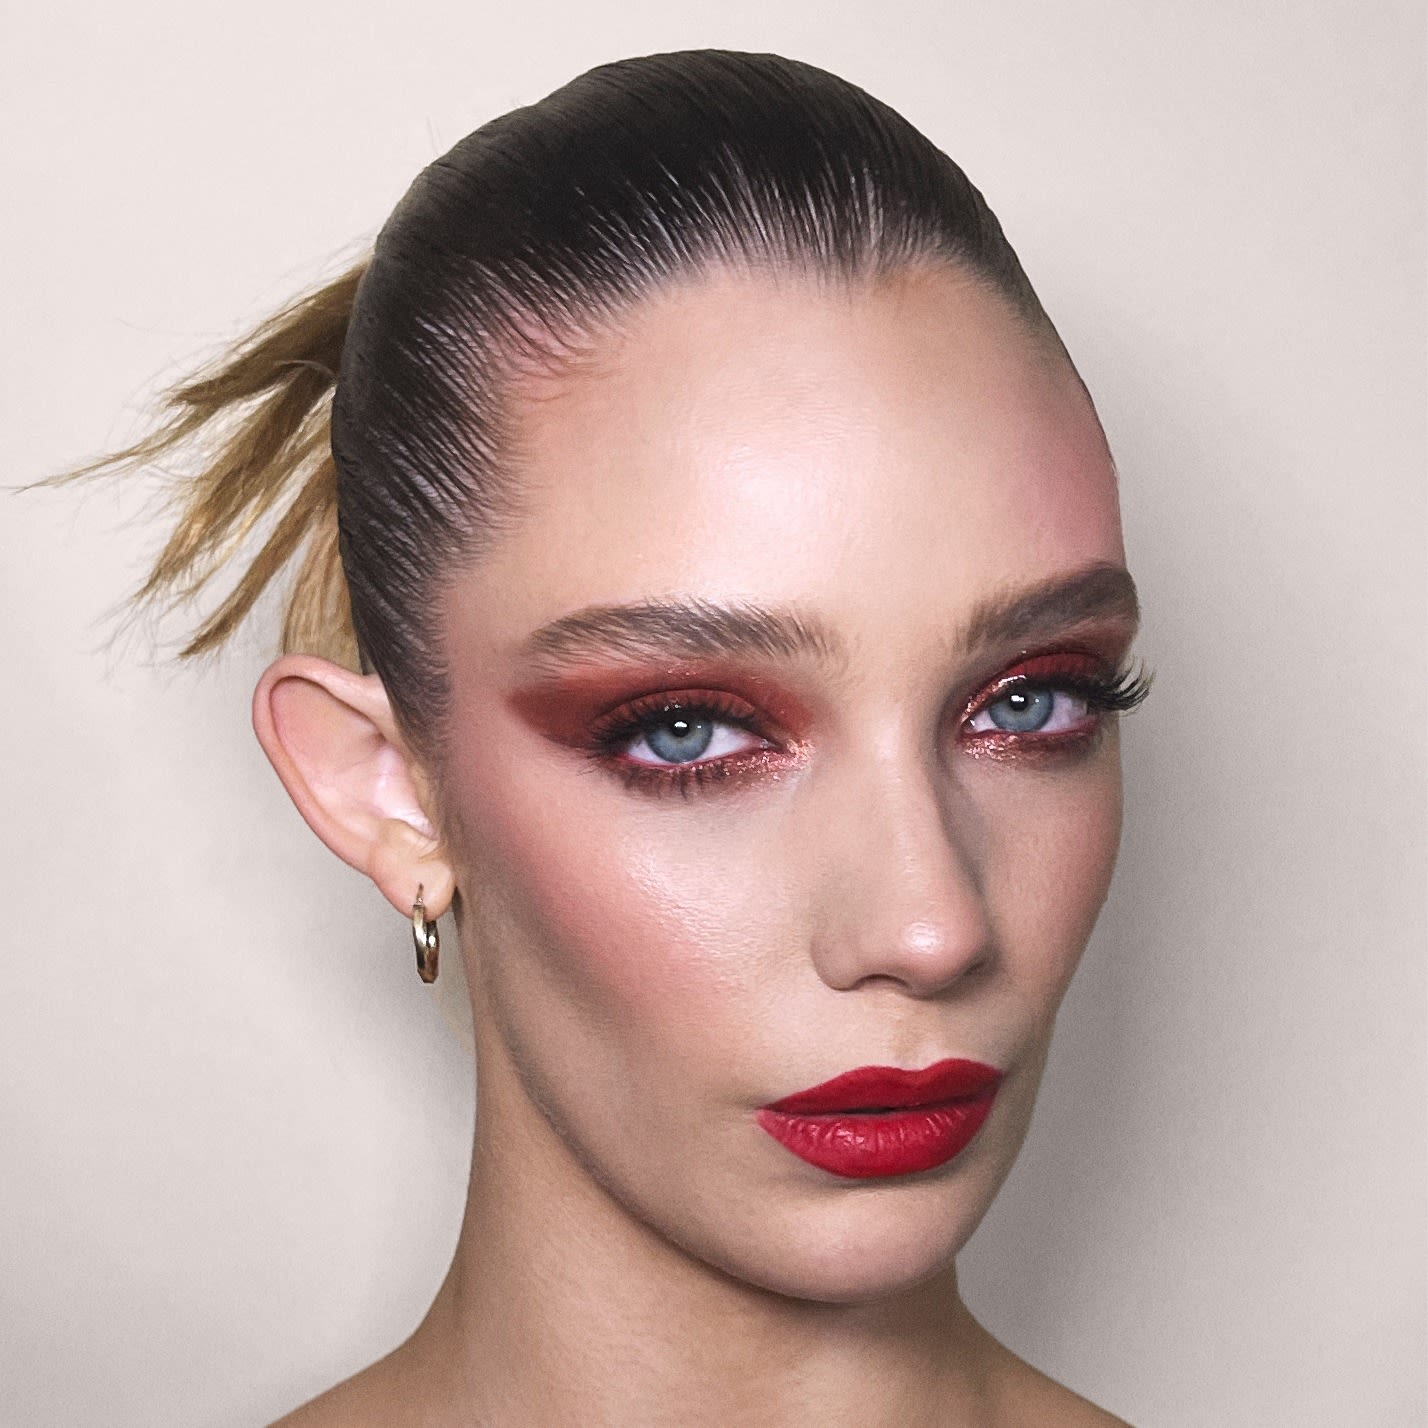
427 939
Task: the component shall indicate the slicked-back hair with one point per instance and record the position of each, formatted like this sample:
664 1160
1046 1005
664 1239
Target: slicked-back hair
509 251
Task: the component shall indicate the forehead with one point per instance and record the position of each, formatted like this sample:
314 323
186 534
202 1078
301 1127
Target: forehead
882 454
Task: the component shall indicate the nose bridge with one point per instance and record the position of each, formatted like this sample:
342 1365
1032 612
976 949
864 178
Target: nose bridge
902 896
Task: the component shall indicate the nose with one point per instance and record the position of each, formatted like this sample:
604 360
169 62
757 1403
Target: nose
901 894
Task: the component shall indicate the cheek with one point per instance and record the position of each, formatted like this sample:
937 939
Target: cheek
608 913
1051 844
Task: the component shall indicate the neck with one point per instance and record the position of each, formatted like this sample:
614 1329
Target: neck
561 1306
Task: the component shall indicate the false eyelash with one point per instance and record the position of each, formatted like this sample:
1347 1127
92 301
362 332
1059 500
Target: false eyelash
1126 691
1113 693
1118 693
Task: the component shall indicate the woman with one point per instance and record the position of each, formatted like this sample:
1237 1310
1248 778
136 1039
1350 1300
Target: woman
715 598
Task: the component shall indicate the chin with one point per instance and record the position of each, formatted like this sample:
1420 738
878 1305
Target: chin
869 1243
849 1242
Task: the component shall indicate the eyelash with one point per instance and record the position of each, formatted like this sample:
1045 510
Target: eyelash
640 716
1103 693
1112 692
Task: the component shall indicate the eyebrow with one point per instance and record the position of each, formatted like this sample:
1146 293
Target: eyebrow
697 628
1100 592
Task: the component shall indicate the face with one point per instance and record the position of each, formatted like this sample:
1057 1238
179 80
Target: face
783 744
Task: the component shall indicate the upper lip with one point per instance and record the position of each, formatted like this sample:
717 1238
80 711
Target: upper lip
874 1088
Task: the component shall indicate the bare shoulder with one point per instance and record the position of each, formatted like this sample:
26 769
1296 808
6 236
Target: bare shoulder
1029 1398
374 1398
346 1404
1049 1402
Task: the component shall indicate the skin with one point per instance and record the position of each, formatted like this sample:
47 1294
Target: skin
879 884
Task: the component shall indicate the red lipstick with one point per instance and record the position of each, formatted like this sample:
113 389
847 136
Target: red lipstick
879 1120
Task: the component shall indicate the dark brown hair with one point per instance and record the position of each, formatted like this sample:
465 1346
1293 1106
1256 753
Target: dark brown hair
508 251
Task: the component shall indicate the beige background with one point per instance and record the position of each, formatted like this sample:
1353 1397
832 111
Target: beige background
233 1125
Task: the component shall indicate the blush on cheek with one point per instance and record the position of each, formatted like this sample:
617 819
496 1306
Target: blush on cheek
612 910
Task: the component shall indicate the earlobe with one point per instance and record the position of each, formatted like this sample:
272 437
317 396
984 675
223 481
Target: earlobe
332 740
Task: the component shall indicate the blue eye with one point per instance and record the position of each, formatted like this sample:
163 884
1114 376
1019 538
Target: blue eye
673 737
1031 709
679 739
1023 711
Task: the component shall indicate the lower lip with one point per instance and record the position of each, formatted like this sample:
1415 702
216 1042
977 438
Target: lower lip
881 1143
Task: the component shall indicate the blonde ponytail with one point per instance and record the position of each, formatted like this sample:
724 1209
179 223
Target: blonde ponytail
254 434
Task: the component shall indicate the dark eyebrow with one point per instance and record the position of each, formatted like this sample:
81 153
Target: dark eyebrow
691 629
1098 592
703 629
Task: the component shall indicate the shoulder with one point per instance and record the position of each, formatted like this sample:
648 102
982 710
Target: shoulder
1029 1398
1050 1403
1054 1403
341 1405
375 1398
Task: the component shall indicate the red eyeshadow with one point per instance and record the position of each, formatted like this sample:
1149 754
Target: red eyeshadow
564 707
1062 662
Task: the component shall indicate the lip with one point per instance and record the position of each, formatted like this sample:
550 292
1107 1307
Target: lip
880 1121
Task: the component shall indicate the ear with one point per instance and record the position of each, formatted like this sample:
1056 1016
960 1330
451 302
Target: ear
331 737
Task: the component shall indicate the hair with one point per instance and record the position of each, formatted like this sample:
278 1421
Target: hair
368 423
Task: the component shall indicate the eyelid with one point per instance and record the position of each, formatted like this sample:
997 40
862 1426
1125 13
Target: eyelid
1059 669
568 708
